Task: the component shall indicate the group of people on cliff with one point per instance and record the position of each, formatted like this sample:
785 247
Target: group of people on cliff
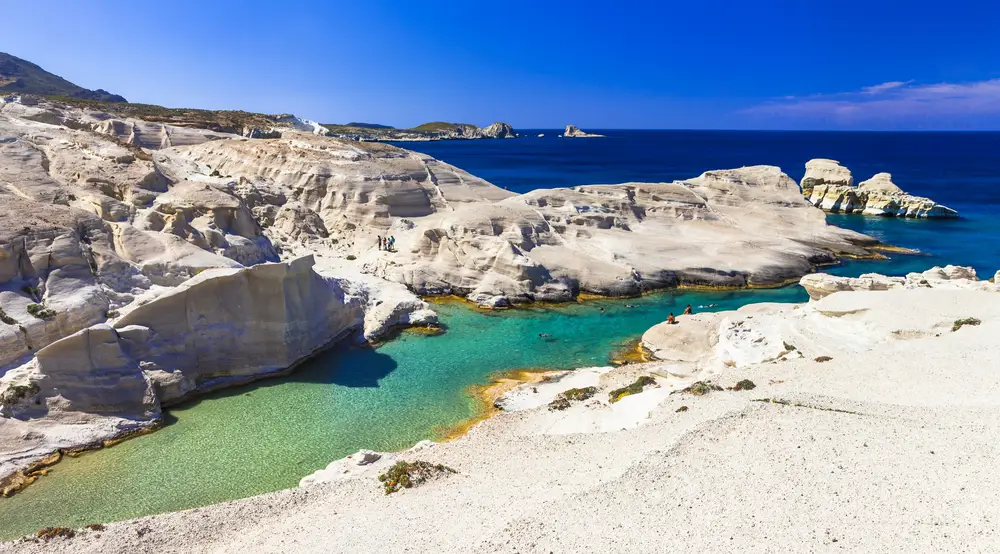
387 243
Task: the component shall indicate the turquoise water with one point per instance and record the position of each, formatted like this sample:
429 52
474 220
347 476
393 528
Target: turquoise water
266 436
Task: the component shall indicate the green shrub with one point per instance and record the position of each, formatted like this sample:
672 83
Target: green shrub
53 532
701 388
822 359
406 475
351 257
634 388
745 384
580 394
31 291
111 314
560 403
959 323
41 312
17 393
6 318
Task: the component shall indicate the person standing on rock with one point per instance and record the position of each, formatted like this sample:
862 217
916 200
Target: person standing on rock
380 242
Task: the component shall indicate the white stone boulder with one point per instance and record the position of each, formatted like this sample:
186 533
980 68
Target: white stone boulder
821 171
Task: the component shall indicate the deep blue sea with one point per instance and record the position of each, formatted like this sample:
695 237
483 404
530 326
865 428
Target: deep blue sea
960 170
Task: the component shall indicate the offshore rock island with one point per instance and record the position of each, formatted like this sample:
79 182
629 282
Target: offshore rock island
830 186
150 255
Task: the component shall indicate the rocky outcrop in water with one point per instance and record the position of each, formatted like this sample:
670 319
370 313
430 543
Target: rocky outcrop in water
572 131
437 130
829 186
499 130
821 171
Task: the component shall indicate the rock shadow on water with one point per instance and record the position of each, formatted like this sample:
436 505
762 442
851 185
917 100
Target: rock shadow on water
355 367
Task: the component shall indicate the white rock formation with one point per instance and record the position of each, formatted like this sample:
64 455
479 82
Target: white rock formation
821 171
856 394
222 327
819 285
125 247
741 227
829 186
572 131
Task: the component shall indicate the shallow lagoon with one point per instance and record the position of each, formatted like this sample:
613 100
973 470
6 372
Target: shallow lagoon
266 436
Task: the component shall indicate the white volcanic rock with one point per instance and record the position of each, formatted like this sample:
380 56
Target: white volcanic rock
819 285
689 340
741 227
828 185
880 182
572 131
880 394
821 171
226 203
222 327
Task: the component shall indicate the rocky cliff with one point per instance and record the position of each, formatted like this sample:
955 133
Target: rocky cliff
830 186
223 327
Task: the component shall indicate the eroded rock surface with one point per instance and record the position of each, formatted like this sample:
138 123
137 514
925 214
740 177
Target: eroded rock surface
224 326
830 186
819 285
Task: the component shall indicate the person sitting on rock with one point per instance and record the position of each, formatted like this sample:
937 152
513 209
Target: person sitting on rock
688 310
671 319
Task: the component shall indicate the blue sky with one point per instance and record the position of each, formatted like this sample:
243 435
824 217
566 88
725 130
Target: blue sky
724 64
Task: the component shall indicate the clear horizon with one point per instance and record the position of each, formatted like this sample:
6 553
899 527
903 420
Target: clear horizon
722 65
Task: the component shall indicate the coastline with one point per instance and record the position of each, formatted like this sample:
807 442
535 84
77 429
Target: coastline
485 397
687 455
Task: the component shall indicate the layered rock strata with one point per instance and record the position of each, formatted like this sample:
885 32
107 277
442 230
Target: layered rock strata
830 186
222 327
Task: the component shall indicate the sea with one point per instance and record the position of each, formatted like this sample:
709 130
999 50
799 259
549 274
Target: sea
266 436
